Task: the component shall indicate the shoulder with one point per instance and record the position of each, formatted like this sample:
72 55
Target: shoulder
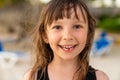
27 74
100 75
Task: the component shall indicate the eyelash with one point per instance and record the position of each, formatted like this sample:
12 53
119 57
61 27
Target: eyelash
77 26
57 27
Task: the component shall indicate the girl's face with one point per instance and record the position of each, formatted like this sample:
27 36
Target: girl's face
67 36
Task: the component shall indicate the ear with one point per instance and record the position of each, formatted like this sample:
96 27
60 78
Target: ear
45 38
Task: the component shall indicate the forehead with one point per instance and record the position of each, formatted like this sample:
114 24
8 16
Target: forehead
76 13
66 11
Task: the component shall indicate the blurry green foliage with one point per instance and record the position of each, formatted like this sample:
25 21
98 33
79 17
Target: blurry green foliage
110 24
2 2
16 1
9 2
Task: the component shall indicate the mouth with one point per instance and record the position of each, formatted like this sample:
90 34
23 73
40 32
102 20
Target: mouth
67 48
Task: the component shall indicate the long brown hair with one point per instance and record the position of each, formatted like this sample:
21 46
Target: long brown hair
55 10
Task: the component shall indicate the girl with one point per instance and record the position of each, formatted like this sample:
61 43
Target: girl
63 39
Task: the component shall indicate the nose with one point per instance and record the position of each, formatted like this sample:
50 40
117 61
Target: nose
67 35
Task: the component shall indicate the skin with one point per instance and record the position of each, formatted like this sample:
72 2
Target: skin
67 38
99 74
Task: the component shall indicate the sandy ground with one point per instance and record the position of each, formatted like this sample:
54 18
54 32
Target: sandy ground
110 63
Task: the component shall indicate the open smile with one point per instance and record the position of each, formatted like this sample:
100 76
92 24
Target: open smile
67 48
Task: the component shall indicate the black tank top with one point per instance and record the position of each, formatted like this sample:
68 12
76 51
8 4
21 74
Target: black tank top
90 75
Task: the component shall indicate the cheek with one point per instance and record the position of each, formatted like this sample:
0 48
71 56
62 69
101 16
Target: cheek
52 37
85 34
83 39
82 36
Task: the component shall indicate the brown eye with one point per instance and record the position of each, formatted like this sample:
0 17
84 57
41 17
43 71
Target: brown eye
57 27
77 26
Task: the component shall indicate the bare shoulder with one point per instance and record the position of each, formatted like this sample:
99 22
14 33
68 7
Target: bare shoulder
101 75
27 75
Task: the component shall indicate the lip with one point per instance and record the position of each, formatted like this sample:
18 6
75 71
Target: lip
67 48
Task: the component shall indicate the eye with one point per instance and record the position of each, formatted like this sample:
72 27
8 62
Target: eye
57 27
77 26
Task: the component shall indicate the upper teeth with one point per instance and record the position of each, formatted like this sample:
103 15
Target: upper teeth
67 46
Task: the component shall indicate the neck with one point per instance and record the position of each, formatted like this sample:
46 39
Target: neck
60 64
60 69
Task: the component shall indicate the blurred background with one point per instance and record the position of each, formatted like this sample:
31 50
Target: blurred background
19 17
